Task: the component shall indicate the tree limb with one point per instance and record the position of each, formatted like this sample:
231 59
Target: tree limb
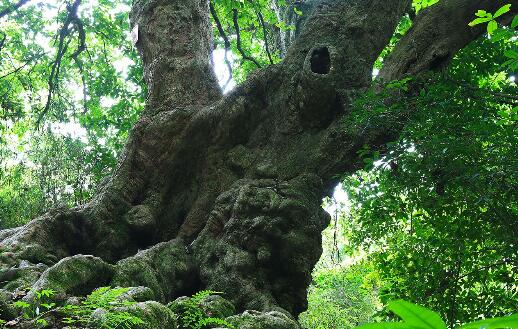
437 33
65 30
11 8
238 36
2 40
265 36
176 54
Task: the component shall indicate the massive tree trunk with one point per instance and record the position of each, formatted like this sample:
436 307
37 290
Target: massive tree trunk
224 193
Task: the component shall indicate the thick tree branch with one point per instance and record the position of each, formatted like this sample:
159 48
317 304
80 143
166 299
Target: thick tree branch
12 8
438 32
176 52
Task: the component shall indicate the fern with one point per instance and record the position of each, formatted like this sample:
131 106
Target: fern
105 298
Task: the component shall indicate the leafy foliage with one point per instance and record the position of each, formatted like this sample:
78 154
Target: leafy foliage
418 317
191 316
60 134
436 212
421 4
107 302
501 33
341 297
39 309
252 29
103 308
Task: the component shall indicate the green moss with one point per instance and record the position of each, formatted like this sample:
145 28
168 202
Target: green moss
76 275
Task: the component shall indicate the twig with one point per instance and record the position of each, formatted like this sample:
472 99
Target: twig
22 66
2 41
335 235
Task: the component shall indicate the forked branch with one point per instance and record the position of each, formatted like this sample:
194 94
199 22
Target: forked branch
71 22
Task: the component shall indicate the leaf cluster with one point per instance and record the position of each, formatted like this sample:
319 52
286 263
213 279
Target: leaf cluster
192 316
418 317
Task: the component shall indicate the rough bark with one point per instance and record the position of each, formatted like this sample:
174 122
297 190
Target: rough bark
283 39
437 34
219 193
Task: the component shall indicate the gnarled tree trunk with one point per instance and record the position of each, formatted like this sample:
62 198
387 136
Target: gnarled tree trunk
224 193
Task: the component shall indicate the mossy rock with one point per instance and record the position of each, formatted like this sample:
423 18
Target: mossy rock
7 312
154 315
216 306
138 294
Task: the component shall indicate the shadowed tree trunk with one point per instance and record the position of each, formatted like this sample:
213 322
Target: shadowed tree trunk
224 193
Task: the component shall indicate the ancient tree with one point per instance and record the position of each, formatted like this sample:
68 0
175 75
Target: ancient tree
224 192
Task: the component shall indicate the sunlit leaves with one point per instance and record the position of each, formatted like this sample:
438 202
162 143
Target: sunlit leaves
421 4
418 317
437 210
97 100
257 40
484 17
341 297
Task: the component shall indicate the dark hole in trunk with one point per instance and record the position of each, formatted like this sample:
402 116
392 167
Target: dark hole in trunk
321 61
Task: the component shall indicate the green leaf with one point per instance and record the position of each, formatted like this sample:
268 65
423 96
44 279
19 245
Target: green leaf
502 10
514 22
511 53
42 322
481 13
21 304
387 325
416 315
477 21
491 27
510 321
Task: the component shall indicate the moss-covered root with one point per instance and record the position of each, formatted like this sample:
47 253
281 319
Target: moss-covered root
73 276
166 268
